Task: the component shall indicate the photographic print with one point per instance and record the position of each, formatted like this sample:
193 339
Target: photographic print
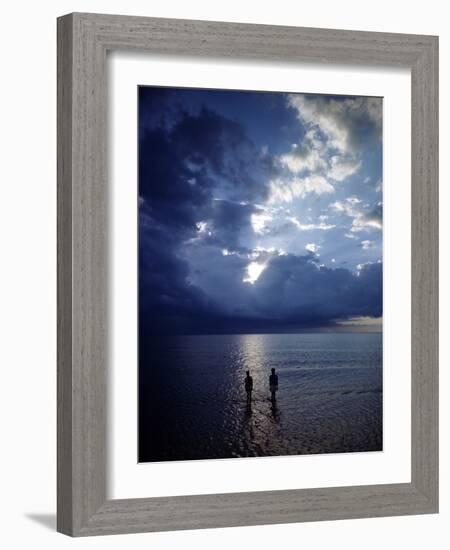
260 274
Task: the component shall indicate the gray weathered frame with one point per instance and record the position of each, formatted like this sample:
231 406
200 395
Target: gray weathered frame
83 40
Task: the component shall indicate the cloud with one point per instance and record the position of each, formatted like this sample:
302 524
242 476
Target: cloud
365 245
199 288
166 297
184 164
330 149
295 291
308 155
231 223
219 249
353 200
363 220
342 168
345 122
368 220
254 270
280 292
286 190
368 323
312 247
259 222
317 159
335 128
180 167
322 226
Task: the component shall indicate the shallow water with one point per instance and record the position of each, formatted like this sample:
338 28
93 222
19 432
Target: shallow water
192 402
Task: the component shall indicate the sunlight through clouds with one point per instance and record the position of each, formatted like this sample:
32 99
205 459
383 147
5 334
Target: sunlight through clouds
259 208
254 270
259 222
312 247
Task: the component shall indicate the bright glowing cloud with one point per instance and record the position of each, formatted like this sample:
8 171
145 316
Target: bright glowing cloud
342 168
362 219
339 120
201 226
322 226
286 190
365 245
312 247
254 270
365 221
259 222
303 157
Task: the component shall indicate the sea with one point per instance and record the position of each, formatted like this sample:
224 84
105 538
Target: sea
193 406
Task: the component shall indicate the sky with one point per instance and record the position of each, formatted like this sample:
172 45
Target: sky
259 211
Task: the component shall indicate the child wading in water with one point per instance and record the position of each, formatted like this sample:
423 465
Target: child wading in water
273 383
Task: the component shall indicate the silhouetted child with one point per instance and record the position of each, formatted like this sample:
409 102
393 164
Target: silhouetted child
273 383
249 386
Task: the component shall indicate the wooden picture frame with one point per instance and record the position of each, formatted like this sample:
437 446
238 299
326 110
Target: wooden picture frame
83 40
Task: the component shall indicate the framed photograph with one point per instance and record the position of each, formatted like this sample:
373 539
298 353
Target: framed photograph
247 274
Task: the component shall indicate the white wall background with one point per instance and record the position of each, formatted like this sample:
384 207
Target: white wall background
28 272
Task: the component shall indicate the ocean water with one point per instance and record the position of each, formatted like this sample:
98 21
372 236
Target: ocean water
192 401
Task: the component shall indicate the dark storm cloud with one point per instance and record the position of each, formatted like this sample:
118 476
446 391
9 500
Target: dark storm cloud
199 153
167 302
295 291
229 221
181 164
300 291
164 182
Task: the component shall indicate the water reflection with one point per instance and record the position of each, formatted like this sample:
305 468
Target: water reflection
275 412
261 416
252 355
329 398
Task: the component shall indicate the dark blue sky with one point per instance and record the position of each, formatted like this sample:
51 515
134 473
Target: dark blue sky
259 211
